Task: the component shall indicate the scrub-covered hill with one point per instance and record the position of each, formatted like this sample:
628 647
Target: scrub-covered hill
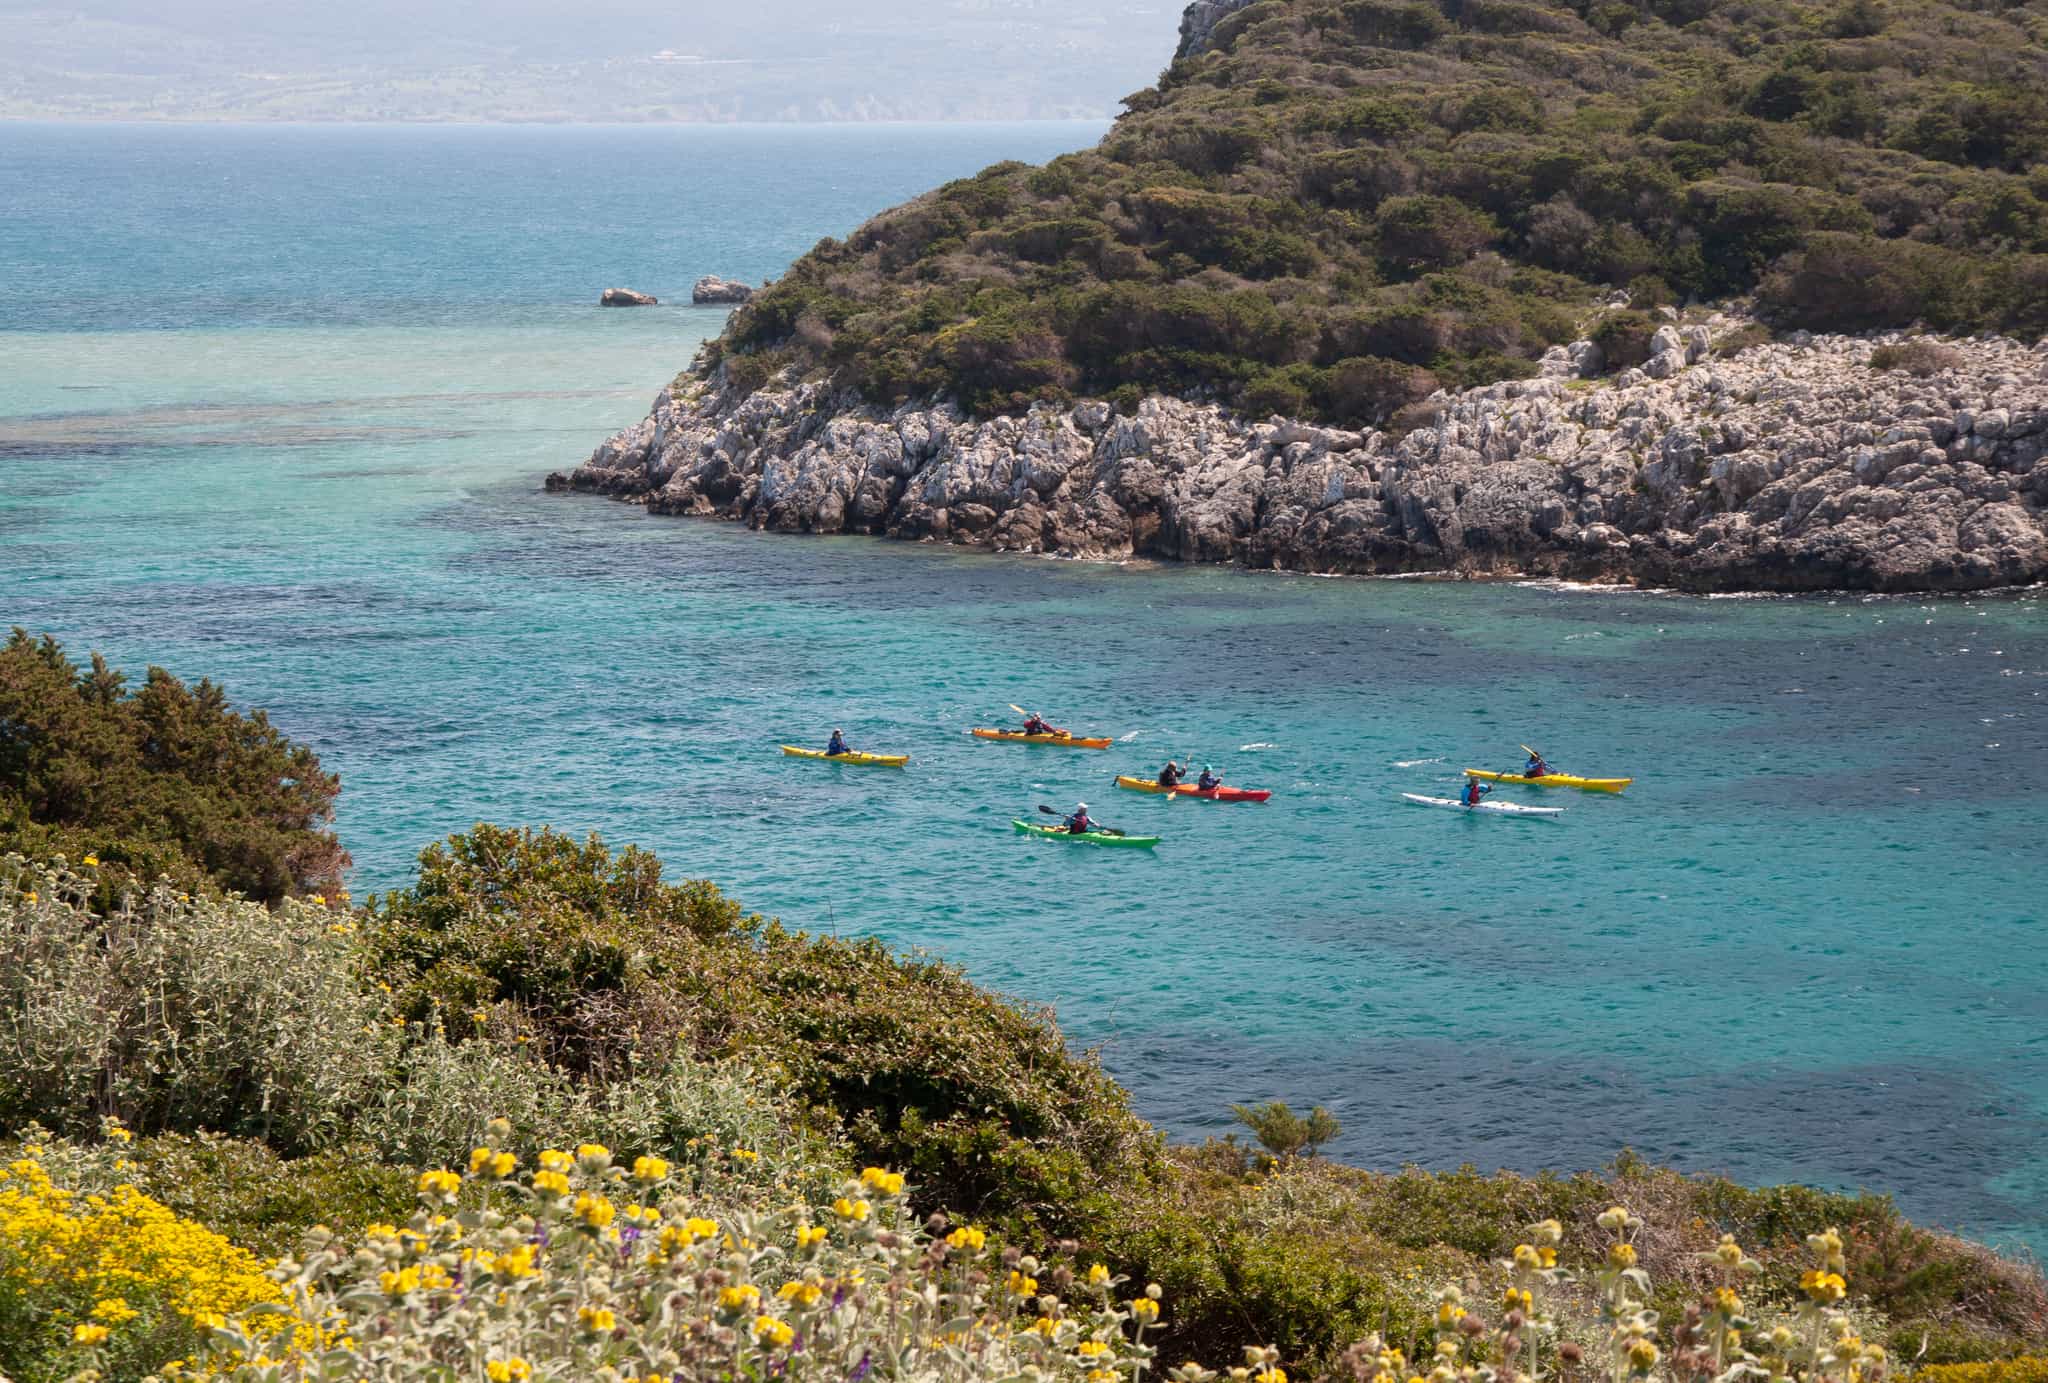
1330 208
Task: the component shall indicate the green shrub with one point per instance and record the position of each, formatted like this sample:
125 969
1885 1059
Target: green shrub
1624 338
1919 357
978 1099
161 781
180 1013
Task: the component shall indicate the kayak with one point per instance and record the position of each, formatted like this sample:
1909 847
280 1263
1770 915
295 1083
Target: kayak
1018 736
1553 780
1086 837
868 760
1216 794
1504 808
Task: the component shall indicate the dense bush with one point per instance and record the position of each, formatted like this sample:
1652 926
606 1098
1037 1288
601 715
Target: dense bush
1279 204
978 1099
164 780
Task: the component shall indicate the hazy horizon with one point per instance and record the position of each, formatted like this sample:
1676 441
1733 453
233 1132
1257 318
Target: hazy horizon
629 61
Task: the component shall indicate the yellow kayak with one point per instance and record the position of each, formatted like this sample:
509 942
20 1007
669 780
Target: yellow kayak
1553 780
871 760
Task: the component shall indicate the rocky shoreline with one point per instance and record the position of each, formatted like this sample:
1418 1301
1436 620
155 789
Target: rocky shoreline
1792 465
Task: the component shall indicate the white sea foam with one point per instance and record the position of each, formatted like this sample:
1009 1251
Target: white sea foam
1255 746
1412 763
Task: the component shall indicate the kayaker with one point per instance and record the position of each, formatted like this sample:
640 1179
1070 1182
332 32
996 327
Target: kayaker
1079 824
1475 791
1536 768
1171 775
838 746
1036 725
1208 782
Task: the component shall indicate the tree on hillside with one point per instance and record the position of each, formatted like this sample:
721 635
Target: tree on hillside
167 780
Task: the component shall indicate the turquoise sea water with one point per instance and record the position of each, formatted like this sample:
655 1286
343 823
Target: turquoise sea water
274 406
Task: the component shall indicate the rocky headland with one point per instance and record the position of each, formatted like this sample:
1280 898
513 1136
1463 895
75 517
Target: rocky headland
1786 465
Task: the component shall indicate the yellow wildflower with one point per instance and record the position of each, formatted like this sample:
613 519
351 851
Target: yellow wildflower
595 1156
1144 1310
555 1160
1622 1256
440 1185
1822 1286
89 1334
774 1333
847 1209
92 861
1642 1356
810 1236
1092 1349
967 1237
802 1293
597 1319
1098 1275
1273 1374
513 1370
594 1211
113 1311
649 1169
745 1297
888 1183
1022 1285
1515 1299
551 1183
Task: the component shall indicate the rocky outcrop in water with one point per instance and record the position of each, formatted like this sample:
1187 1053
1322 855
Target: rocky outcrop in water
713 289
1791 465
626 297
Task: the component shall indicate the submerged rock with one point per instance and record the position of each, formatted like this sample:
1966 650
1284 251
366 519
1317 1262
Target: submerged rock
626 297
1790 466
713 289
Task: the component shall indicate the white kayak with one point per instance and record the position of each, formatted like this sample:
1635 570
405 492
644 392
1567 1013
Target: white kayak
1505 808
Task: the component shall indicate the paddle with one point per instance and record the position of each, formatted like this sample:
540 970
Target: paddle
1534 755
1099 830
1058 734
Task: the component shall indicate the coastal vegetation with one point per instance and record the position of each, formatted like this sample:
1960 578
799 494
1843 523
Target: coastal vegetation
285 1139
1331 208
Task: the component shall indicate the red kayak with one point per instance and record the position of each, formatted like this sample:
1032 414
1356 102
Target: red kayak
1221 794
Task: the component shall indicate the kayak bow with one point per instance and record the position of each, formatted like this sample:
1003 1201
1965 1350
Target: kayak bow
1553 780
1086 837
862 760
1503 808
1019 737
1215 794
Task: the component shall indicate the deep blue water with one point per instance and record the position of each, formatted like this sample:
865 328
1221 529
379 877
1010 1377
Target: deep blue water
274 406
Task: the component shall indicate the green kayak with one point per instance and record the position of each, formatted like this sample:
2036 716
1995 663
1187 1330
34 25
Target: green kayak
1086 838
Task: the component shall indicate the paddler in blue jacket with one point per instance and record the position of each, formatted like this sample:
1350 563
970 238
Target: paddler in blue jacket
838 746
1208 782
1474 792
1536 768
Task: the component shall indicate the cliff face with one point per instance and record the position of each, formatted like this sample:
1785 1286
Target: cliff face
1786 466
1199 21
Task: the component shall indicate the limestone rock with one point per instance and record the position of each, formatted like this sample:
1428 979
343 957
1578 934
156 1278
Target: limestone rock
712 289
626 297
1791 466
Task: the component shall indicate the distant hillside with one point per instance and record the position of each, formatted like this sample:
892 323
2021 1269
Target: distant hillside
1330 208
624 60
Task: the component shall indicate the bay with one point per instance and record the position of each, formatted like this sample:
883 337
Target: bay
274 408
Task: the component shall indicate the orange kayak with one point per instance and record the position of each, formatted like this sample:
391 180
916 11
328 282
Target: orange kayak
1019 737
